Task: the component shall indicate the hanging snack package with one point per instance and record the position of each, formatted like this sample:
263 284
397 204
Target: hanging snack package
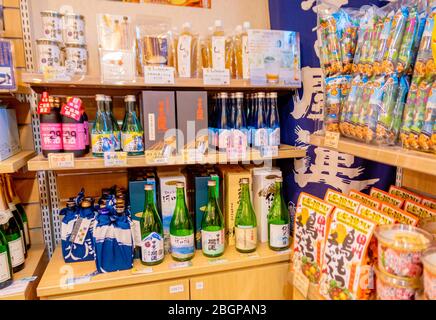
374 44
116 48
395 39
373 111
330 40
409 110
406 50
405 194
311 224
367 25
383 43
362 107
385 122
425 65
427 136
345 257
422 22
422 96
332 103
348 40
355 108
348 107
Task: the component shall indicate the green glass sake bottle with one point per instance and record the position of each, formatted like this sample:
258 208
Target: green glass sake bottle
212 225
12 233
102 131
181 228
116 137
278 220
5 263
152 245
245 222
132 134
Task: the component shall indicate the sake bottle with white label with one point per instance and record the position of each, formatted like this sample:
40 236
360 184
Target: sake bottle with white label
278 220
132 134
245 222
181 228
12 233
5 263
212 225
152 242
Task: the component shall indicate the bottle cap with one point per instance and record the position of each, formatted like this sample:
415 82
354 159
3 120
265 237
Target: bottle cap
245 181
180 185
100 97
261 94
247 25
224 95
273 94
238 28
232 95
268 95
218 23
187 25
120 209
108 98
279 179
85 204
148 187
211 183
130 99
239 95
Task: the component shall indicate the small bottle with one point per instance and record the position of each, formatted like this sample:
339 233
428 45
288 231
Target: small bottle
273 121
181 228
245 221
239 134
116 137
5 263
132 134
187 52
278 220
212 116
251 123
212 225
51 129
259 132
152 241
102 132
245 61
86 131
223 129
73 136
218 46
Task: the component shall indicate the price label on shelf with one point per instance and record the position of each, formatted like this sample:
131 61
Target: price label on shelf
60 160
301 282
331 139
180 265
142 270
158 75
194 155
53 74
216 77
115 159
269 151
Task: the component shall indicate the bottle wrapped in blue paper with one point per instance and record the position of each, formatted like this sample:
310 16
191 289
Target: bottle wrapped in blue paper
77 230
113 242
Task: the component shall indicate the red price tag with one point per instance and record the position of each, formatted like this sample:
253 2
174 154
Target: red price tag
44 104
72 109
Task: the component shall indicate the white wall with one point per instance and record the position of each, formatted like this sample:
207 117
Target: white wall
231 12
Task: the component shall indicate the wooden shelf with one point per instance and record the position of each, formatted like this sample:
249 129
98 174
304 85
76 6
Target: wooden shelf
37 260
16 162
87 84
50 284
39 163
395 156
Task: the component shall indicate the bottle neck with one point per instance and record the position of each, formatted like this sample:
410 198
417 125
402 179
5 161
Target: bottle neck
211 194
101 106
180 199
245 193
130 107
149 199
278 192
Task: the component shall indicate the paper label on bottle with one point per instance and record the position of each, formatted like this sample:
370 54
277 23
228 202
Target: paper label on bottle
301 283
219 52
51 136
132 141
279 235
331 139
182 247
12 206
102 142
80 229
239 143
26 232
260 137
213 77
269 151
245 59
115 159
184 56
152 248
73 136
151 127
212 242
274 137
246 237
5 215
16 251
158 75
5 272
60 160
223 138
116 138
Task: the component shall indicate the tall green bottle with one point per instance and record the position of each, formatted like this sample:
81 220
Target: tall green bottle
102 132
132 134
116 128
10 229
181 228
152 246
245 222
5 263
278 220
212 225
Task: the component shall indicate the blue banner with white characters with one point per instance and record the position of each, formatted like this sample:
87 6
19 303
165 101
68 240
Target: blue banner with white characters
321 168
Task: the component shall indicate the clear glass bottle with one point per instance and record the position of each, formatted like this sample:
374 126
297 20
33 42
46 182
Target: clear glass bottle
132 134
278 220
187 56
273 121
115 127
102 131
245 222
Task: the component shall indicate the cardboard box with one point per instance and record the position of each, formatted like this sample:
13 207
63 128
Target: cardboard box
167 200
192 123
159 112
263 196
9 138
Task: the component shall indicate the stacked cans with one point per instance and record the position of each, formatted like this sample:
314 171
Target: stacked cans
63 43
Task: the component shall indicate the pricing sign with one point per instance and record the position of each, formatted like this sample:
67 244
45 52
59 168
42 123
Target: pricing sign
269 151
61 160
72 109
44 104
331 139
158 75
216 77
54 74
115 159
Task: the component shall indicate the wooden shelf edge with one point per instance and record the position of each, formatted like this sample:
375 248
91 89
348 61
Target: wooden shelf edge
16 162
394 156
39 163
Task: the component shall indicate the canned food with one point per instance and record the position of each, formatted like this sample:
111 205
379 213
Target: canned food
429 261
74 28
52 25
49 54
76 58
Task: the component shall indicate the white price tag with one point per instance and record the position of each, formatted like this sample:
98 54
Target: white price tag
179 265
60 160
216 77
78 280
250 255
142 270
195 156
177 288
158 75
56 74
199 285
301 282
331 139
217 261
115 159
269 151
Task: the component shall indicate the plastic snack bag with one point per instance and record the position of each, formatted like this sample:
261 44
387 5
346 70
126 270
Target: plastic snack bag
154 43
361 94
422 21
332 103
394 40
345 125
348 41
330 40
392 138
406 50
383 43
375 103
424 65
409 110
427 136
373 43
368 23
